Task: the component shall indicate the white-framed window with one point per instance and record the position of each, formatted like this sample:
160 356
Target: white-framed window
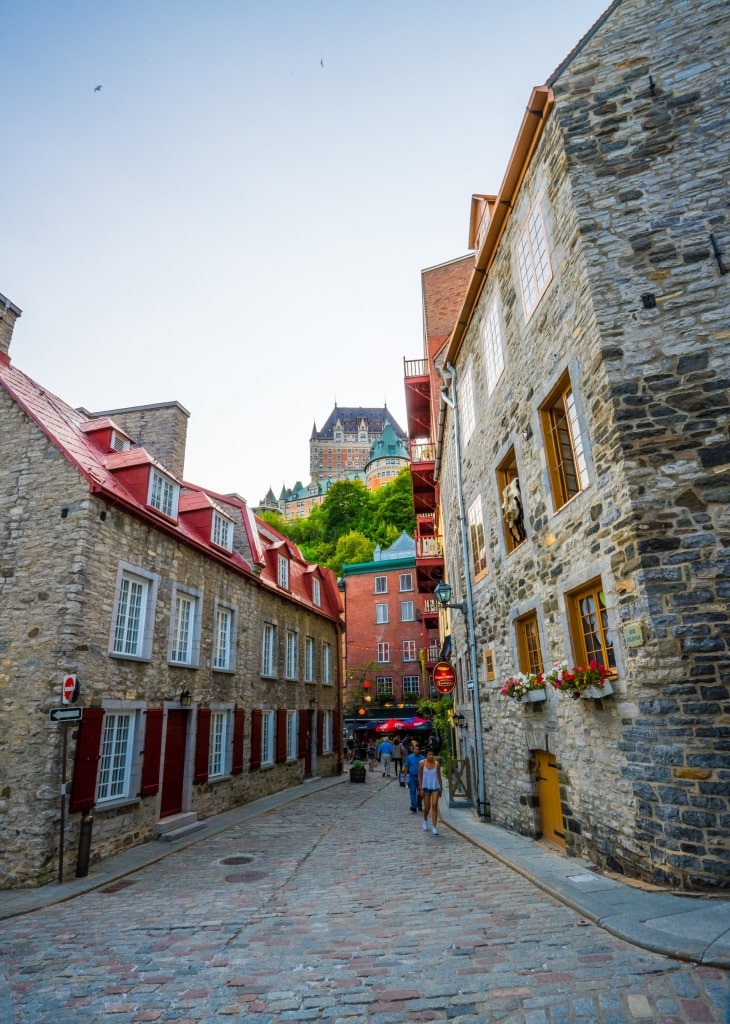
327 732
411 685
292 735
316 591
493 347
384 686
292 654
221 533
383 651
409 650
224 659
309 659
381 613
405 581
381 584
268 652
268 724
218 751
133 615
477 537
407 611
163 494
533 261
185 626
283 572
467 414
115 762
326 664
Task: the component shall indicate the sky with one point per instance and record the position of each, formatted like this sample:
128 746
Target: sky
238 218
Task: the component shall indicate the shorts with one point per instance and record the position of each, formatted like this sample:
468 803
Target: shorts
437 790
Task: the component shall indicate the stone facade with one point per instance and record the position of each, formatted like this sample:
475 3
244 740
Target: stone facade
627 172
64 544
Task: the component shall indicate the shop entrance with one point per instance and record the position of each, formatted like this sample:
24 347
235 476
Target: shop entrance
548 792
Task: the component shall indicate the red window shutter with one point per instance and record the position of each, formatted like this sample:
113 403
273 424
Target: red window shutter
152 748
86 761
337 731
320 731
255 739
202 746
304 717
239 717
280 735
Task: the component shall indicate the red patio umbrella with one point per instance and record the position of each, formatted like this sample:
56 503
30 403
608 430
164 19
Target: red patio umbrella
392 725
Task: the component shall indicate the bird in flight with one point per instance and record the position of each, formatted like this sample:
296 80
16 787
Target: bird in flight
97 89
321 63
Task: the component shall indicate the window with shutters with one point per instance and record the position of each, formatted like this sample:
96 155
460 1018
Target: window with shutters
219 749
267 737
564 447
115 762
292 735
133 613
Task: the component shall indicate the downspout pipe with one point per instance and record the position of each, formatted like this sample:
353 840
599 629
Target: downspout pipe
449 373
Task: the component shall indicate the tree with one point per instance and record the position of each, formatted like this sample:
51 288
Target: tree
352 548
393 507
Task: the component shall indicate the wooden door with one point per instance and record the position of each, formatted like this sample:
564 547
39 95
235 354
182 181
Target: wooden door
548 791
173 770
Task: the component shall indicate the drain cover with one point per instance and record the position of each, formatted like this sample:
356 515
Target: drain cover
239 859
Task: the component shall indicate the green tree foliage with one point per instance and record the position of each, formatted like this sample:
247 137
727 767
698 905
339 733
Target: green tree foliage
393 508
352 548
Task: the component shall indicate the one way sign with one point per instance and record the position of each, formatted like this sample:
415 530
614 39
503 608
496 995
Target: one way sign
66 714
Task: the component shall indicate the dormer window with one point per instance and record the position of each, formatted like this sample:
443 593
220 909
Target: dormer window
163 494
119 443
316 592
221 533
283 572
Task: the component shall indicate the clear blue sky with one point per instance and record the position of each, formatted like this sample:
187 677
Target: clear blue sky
239 217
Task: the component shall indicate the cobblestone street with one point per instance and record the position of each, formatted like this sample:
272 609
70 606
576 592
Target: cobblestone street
336 907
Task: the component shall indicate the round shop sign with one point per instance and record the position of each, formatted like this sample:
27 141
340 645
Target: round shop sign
444 677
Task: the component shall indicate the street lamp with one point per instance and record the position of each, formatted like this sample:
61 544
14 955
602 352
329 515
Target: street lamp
459 721
443 593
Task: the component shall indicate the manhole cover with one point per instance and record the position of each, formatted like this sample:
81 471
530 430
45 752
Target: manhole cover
246 876
238 859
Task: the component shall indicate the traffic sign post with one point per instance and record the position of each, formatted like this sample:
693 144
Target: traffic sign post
70 689
66 714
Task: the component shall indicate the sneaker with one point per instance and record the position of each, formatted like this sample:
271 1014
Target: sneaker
413 810
435 830
425 826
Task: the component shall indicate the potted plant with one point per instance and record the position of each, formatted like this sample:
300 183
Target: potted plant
580 681
524 687
357 771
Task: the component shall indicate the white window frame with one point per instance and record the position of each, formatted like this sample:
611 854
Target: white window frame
163 493
533 260
381 584
383 652
221 531
493 347
309 654
381 612
292 735
268 735
268 650
409 650
411 685
131 634
220 753
384 686
326 664
116 756
185 620
225 619
327 732
405 581
292 654
316 592
477 538
283 572
407 611
467 410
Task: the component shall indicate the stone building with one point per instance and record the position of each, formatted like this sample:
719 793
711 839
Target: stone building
343 445
206 651
579 410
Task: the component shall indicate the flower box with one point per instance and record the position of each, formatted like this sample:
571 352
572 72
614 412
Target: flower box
597 692
533 696
520 686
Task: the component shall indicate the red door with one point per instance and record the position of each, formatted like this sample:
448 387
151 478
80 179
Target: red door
173 769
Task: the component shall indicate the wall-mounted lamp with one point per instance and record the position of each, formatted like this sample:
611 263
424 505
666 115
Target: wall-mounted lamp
312 703
443 593
186 699
460 721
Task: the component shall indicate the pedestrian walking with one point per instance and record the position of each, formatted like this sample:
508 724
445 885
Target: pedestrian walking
386 751
410 767
372 755
399 752
430 785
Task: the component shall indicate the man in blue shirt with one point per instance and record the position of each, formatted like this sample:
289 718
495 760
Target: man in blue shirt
410 767
385 751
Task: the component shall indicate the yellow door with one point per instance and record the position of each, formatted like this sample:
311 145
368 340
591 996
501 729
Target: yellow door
548 792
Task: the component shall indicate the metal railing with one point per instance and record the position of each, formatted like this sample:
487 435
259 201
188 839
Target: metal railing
415 368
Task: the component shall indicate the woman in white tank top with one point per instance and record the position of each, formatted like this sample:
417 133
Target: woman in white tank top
430 787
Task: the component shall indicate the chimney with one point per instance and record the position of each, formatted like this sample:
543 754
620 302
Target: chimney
9 313
160 428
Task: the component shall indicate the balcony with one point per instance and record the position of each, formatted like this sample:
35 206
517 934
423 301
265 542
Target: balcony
418 397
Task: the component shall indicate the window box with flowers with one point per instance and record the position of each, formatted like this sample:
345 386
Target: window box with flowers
577 682
525 687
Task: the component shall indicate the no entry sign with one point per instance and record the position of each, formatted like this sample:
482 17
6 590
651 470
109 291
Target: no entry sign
444 677
70 689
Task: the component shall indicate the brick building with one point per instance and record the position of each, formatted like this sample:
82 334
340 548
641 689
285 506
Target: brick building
578 408
388 643
207 651
343 445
